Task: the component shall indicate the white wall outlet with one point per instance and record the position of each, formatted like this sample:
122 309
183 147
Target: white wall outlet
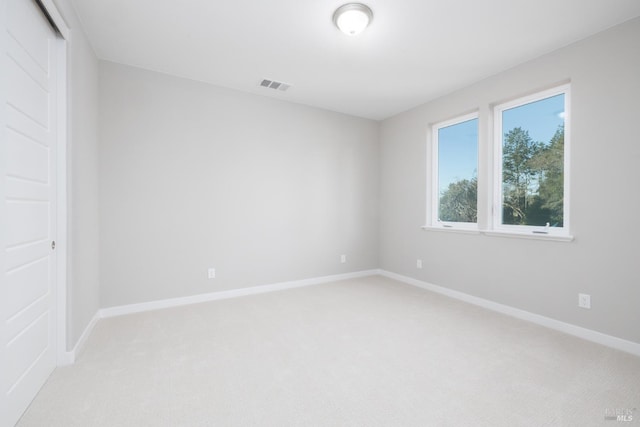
584 300
211 273
343 258
419 263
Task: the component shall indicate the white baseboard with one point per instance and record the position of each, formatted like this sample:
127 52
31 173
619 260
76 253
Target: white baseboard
587 334
69 357
66 358
213 296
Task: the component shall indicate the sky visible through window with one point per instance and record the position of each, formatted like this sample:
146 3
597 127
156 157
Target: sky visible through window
458 144
457 153
540 118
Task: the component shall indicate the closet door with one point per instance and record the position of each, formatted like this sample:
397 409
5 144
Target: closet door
27 294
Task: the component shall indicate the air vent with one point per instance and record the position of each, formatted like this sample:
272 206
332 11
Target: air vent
272 84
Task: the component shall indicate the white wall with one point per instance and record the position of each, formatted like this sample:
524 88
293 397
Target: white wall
537 276
82 170
193 176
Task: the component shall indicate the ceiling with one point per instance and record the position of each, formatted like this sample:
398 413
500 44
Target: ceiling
414 50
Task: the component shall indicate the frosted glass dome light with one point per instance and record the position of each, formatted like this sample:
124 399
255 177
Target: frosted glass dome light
352 18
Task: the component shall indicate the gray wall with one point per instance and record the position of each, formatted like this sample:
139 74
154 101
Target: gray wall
537 276
193 176
82 170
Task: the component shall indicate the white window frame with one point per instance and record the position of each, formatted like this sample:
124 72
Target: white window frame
496 214
434 199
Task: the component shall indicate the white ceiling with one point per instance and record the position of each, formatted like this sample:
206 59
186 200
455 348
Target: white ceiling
413 52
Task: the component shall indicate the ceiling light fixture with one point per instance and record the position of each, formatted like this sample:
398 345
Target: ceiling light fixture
352 18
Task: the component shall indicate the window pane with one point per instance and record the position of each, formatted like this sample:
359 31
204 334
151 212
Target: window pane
533 163
457 172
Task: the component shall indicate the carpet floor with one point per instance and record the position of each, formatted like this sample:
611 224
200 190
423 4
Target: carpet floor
361 352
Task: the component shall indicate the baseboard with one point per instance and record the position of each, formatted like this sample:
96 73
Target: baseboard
69 357
234 293
580 332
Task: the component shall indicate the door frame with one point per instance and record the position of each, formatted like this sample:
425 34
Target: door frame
51 12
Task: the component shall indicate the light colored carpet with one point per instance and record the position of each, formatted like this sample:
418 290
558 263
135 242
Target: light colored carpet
363 352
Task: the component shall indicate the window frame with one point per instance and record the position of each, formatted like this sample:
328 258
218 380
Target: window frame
497 187
433 220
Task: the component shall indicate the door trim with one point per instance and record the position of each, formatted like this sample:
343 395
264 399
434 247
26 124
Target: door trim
62 356
49 9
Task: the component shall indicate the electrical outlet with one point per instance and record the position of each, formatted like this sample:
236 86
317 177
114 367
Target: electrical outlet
584 300
419 263
343 258
212 273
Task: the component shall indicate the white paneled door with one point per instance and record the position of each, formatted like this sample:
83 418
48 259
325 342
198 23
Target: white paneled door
28 295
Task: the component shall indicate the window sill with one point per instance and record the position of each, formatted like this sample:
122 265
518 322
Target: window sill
501 233
451 229
531 236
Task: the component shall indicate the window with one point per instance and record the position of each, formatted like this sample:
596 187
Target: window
527 183
454 189
531 164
